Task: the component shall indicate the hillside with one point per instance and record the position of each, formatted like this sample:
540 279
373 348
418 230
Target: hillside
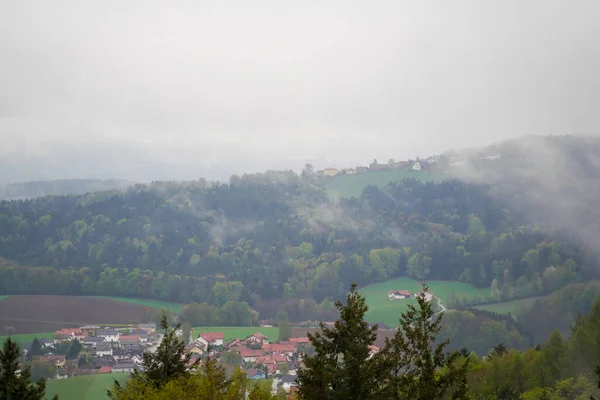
275 242
346 186
29 190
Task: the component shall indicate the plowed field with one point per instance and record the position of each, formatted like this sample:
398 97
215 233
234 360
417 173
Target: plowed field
40 313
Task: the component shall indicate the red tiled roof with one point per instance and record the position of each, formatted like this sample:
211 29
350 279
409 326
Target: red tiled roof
52 358
105 370
129 337
251 353
300 340
209 336
259 335
273 347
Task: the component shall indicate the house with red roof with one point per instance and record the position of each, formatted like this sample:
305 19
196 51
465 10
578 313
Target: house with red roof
212 338
258 338
249 355
300 340
105 370
271 348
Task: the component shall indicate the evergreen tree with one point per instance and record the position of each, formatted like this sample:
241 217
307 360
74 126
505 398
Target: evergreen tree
341 367
415 367
35 350
285 330
74 350
168 363
15 383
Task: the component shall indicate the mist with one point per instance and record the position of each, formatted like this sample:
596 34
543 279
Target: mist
149 90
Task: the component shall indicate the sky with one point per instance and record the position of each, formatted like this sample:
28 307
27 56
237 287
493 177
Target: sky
146 90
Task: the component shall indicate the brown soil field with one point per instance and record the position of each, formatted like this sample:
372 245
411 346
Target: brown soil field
381 335
40 313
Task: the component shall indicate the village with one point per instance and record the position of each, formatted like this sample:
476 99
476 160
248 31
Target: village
429 164
103 350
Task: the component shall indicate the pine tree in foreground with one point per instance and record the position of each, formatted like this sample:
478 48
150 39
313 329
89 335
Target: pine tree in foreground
413 366
170 362
341 367
15 384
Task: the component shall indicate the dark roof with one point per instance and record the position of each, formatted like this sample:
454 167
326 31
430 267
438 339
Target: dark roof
125 365
103 346
93 339
288 379
46 341
108 332
129 342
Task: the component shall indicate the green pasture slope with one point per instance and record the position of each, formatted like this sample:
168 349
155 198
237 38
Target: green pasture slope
346 186
239 332
388 311
3 297
23 338
514 307
86 387
175 307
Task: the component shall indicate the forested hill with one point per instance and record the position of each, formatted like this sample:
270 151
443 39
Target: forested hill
33 189
275 241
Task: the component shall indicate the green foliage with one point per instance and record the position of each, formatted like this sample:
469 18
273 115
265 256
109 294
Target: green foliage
285 331
412 362
168 363
15 382
341 367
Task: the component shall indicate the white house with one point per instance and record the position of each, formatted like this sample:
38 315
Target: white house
123 367
399 294
258 338
287 382
212 338
416 166
109 334
103 349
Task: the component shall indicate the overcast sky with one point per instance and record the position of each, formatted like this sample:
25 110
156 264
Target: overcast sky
156 89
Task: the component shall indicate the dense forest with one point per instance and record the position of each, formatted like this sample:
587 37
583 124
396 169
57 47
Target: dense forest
274 241
32 189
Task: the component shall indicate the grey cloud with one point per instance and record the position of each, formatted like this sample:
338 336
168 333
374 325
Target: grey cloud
153 90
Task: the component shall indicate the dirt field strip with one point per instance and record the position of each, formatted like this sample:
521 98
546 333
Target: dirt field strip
22 314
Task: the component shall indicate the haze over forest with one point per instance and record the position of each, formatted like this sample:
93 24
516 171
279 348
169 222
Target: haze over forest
148 91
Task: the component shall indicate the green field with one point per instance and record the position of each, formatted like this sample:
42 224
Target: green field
86 387
3 297
175 307
353 185
388 311
514 307
238 332
27 337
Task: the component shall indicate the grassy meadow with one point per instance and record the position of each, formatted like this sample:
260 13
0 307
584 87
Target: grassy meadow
175 307
239 332
3 297
23 338
346 186
86 387
514 307
388 311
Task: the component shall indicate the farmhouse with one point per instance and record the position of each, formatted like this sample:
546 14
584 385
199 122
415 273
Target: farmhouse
258 338
92 341
123 367
103 349
109 334
330 171
58 361
288 382
196 347
417 166
251 355
212 338
399 294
